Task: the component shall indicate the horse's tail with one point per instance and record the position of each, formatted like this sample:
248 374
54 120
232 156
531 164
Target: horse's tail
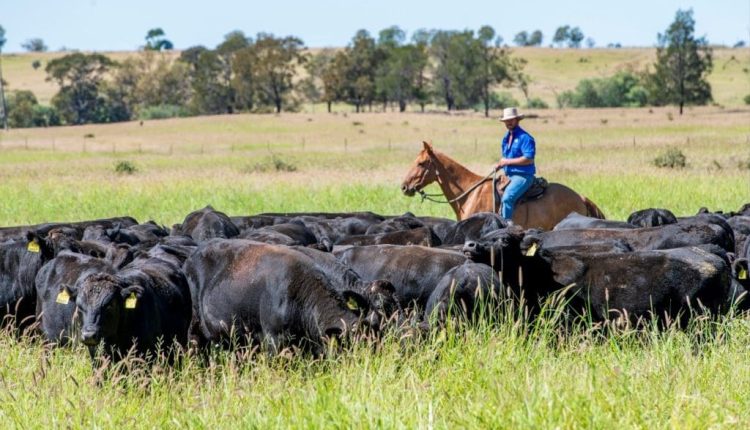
592 209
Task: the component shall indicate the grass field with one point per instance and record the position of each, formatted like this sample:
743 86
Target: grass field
552 71
503 375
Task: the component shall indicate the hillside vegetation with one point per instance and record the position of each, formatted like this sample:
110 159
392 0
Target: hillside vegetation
553 70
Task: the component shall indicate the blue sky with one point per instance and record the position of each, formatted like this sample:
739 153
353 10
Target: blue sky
105 25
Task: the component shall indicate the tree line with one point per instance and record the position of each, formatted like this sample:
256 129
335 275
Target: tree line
265 73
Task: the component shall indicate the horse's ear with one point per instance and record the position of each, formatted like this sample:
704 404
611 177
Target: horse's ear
427 146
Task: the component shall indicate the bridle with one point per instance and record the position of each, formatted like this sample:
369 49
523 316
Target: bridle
431 197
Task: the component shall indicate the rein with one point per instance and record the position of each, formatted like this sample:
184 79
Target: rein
429 197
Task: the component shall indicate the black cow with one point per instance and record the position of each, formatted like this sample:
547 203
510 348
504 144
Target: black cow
664 283
414 271
651 217
266 294
146 305
611 273
243 222
19 232
740 225
418 236
468 290
290 234
380 294
399 223
698 230
205 224
474 227
442 227
19 263
330 230
55 307
63 239
505 251
575 220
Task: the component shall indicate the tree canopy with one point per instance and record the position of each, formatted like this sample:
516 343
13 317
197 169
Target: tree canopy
683 63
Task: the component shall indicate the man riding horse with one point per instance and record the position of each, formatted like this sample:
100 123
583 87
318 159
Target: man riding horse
517 151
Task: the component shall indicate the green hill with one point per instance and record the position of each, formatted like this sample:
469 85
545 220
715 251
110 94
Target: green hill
552 70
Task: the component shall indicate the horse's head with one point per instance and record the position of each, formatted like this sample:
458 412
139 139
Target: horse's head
421 173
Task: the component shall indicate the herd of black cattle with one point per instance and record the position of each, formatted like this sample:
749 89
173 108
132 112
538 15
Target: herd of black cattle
302 279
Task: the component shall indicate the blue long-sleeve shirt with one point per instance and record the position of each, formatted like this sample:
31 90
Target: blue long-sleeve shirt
523 145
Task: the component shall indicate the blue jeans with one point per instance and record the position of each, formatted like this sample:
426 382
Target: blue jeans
519 184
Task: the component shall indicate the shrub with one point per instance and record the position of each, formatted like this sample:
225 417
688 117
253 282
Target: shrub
624 89
536 103
45 116
499 100
275 163
125 167
747 99
162 112
672 158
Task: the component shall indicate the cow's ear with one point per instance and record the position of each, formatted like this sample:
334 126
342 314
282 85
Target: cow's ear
136 290
66 294
37 244
427 146
741 270
354 302
530 246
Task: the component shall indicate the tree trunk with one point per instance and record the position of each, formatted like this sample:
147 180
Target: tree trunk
3 104
402 105
329 106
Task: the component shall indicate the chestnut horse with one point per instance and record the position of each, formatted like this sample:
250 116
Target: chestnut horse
469 193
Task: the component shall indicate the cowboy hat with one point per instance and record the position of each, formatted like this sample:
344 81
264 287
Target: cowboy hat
510 113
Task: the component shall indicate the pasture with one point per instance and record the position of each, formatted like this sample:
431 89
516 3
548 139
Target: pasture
503 373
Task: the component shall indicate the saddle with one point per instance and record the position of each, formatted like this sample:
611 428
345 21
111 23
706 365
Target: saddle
534 192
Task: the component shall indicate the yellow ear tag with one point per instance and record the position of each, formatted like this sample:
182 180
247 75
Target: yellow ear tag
742 274
131 301
532 250
32 247
352 304
63 297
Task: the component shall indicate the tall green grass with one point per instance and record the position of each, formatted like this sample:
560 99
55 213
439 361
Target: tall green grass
505 374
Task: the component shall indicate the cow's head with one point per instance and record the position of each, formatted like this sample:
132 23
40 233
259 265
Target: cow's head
496 247
383 303
101 300
40 245
421 173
